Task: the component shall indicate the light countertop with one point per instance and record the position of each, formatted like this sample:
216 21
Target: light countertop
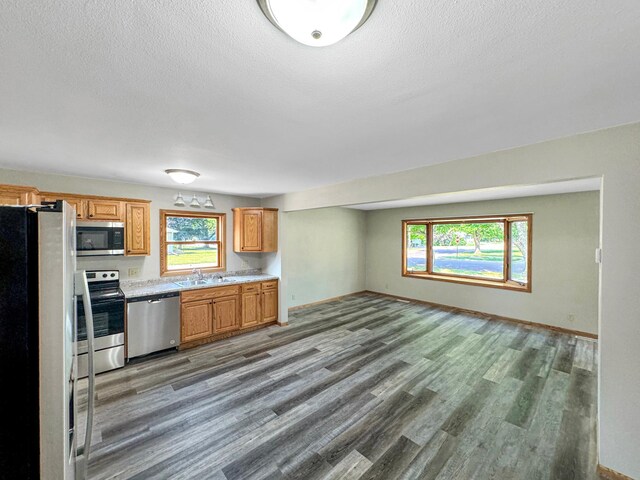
133 289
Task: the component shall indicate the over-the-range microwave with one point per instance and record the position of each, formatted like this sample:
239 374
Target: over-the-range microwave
99 238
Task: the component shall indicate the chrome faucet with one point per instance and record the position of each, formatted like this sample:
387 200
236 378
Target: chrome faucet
198 273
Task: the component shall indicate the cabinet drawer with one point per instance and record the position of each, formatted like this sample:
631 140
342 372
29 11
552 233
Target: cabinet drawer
270 285
250 287
206 293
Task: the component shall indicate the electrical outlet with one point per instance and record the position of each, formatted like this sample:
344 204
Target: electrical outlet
386 286
293 297
133 272
245 265
571 318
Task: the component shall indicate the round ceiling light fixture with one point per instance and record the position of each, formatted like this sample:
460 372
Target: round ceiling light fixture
181 176
317 23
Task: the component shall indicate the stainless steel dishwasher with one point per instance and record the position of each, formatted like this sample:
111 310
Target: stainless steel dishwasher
153 323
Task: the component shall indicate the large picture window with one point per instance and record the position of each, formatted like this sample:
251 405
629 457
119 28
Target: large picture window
191 240
492 251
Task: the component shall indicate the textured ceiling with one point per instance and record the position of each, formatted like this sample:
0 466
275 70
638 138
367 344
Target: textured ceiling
123 90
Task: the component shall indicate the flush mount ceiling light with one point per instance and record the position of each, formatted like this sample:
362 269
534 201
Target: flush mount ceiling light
182 176
317 23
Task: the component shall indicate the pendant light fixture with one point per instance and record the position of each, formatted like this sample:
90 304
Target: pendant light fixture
195 201
181 176
179 201
209 203
317 23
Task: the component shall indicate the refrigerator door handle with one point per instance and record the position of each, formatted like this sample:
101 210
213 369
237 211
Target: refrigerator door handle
82 289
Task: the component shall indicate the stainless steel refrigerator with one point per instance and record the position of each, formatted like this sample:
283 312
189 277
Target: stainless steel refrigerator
38 289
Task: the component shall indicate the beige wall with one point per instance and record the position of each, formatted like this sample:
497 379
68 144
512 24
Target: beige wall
161 198
326 254
564 273
614 155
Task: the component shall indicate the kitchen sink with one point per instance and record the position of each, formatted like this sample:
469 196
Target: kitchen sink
204 281
193 283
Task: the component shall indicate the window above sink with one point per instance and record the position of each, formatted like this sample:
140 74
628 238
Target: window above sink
191 240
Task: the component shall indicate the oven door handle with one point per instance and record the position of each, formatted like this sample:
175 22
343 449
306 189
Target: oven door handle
82 289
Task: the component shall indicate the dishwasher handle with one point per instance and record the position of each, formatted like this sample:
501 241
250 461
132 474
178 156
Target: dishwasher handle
153 298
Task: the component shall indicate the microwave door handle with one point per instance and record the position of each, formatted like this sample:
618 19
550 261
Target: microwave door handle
82 289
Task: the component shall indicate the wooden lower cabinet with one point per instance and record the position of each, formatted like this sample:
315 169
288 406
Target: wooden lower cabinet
208 314
196 320
225 314
269 305
251 311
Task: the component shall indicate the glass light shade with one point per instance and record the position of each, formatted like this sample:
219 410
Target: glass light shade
209 203
179 201
195 203
317 23
182 176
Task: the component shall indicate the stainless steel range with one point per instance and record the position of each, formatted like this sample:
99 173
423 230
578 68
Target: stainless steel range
107 302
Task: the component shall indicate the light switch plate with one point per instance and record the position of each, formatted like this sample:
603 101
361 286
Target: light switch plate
133 272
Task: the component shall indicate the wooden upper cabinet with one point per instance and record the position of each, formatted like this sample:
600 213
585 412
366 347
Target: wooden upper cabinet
197 320
269 230
80 205
18 195
225 314
135 213
251 230
105 210
255 229
76 202
137 229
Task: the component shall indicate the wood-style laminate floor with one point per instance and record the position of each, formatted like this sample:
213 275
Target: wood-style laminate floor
363 388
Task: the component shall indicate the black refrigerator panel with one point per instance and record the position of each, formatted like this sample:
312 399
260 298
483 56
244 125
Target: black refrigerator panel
19 404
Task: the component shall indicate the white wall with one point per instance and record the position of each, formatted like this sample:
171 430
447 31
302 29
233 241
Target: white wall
564 274
326 254
613 154
161 198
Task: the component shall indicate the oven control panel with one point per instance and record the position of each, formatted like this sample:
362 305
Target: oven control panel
102 275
